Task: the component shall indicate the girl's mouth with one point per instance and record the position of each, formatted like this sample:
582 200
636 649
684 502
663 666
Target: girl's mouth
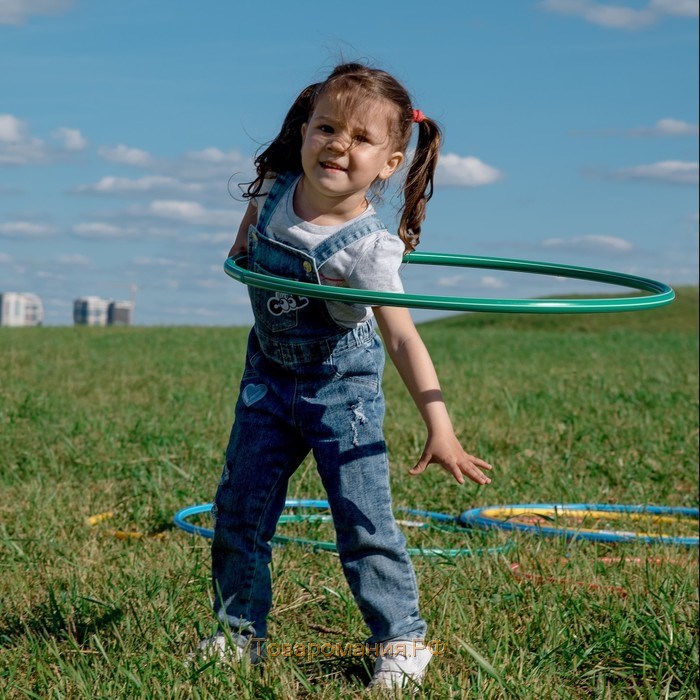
332 166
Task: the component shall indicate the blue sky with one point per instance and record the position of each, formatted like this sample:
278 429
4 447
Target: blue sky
571 136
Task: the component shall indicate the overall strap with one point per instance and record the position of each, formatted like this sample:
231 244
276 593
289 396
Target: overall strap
279 187
345 237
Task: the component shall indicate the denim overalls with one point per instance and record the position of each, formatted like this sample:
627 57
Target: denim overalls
309 384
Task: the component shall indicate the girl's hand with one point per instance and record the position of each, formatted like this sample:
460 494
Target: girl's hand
446 451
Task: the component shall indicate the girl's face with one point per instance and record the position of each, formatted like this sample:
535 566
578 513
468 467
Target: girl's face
343 154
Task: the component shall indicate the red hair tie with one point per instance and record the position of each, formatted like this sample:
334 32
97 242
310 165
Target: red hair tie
418 116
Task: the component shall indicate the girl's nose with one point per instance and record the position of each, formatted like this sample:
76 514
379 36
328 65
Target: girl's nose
338 144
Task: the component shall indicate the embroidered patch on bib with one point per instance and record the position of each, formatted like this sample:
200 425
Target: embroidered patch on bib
283 303
252 393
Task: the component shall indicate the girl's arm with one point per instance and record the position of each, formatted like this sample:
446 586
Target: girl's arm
249 219
411 358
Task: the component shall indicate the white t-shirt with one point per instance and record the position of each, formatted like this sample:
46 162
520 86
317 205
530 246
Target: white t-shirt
371 263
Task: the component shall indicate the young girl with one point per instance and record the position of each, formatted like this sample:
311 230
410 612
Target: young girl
312 379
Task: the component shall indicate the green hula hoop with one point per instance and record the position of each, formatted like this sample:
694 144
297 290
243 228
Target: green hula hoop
181 520
661 294
445 552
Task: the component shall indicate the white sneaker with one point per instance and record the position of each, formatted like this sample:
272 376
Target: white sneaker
216 647
402 666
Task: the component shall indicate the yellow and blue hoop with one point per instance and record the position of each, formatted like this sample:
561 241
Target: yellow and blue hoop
557 513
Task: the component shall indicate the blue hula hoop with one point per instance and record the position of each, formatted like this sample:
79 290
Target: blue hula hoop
483 517
180 520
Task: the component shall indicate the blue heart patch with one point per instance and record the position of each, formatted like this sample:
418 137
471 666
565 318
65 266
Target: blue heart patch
252 393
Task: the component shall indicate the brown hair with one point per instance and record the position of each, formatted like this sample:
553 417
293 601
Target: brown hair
353 83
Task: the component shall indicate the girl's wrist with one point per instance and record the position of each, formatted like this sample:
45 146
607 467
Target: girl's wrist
438 422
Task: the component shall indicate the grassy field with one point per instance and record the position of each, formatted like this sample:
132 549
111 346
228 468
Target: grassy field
134 422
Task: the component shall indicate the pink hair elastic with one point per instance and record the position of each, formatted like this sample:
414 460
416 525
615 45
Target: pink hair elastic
418 116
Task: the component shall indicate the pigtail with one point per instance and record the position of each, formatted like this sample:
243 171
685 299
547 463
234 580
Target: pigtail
418 187
283 154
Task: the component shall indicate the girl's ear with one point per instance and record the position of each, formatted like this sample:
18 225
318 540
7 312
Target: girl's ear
391 166
303 130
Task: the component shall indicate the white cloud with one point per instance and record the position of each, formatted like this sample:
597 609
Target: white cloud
70 139
215 238
17 229
604 243
671 171
29 151
489 282
50 275
459 280
216 155
73 259
192 213
125 155
667 127
121 186
613 16
145 261
160 232
18 11
450 281
212 164
191 311
619 16
99 229
465 171
18 147
12 129
204 174
679 8
219 282
5 259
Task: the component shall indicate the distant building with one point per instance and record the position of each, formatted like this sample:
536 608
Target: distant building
90 311
120 313
20 309
95 311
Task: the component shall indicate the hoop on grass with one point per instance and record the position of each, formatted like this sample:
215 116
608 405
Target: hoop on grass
661 293
181 520
550 519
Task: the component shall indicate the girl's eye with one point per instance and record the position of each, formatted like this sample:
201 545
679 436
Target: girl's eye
326 128
360 138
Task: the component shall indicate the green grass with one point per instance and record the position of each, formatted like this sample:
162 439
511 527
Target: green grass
134 421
